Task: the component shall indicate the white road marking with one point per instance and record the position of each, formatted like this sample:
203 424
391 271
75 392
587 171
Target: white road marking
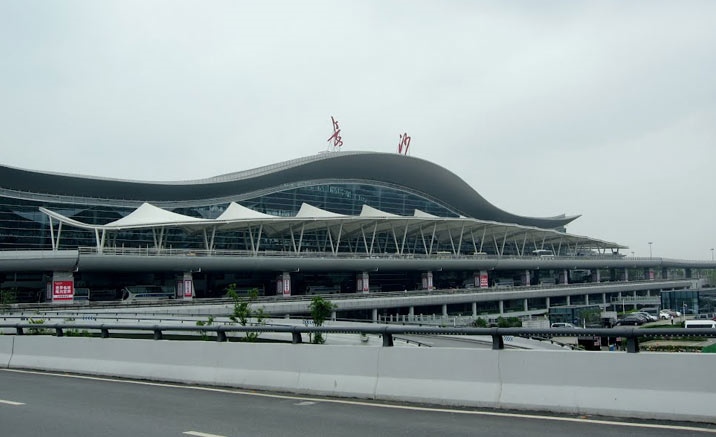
201 434
11 402
378 405
301 404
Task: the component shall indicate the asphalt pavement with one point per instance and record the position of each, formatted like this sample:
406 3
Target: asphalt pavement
44 404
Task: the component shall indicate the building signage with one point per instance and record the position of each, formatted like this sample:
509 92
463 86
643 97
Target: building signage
483 280
63 290
336 137
188 289
283 284
404 143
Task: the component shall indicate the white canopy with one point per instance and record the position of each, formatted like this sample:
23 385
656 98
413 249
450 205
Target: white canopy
148 214
459 232
239 212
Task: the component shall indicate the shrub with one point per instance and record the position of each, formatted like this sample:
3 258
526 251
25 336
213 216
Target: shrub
321 310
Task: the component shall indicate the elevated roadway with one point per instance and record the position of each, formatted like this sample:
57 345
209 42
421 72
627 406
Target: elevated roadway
184 260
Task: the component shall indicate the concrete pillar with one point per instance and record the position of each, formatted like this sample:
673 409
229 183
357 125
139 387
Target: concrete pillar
626 274
375 315
613 275
474 309
333 316
427 280
185 287
527 278
604 298
649 274
569 300
445 313
526 308
546 301
411 313
502 307
362 283
586 299
283 284
595 276
564 277
62 287
483 282
475 283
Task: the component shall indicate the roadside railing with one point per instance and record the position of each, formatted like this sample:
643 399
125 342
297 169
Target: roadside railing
631 335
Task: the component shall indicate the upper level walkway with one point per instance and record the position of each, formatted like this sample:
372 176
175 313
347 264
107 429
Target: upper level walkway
150 259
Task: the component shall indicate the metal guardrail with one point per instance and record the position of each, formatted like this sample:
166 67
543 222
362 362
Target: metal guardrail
632 335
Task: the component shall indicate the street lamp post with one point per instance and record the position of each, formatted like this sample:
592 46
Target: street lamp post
650 243
712 254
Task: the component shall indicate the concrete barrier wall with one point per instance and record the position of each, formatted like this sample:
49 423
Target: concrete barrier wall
646 385
5 350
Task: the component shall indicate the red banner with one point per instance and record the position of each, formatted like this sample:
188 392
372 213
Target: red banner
63 290
483 281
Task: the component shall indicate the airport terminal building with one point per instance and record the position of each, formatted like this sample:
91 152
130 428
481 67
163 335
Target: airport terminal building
325 222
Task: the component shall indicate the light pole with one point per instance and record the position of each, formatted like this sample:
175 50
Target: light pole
650 243
712 254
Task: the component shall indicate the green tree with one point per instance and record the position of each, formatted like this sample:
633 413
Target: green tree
242 312
321 310
480 323
209 321
509 322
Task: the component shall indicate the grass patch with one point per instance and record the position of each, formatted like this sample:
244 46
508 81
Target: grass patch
709 349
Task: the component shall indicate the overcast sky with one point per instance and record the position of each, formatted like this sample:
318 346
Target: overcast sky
604 109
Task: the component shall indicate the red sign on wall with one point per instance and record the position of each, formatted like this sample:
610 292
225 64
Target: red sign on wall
63 290
483 281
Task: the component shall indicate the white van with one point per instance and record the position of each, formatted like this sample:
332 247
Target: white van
700 324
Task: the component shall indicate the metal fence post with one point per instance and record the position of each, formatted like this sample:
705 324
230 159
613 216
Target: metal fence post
633 344
497 342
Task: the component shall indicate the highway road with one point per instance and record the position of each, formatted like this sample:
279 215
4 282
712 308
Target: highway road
44 404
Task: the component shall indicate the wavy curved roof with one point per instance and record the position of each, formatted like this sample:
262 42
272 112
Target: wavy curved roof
405 172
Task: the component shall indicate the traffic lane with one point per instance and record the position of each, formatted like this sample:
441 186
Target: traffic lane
79 407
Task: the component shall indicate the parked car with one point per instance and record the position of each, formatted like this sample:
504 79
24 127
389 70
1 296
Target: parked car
564 325
649 317
667 314
634 319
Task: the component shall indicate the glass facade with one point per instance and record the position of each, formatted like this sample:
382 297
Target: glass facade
23 226
686 301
